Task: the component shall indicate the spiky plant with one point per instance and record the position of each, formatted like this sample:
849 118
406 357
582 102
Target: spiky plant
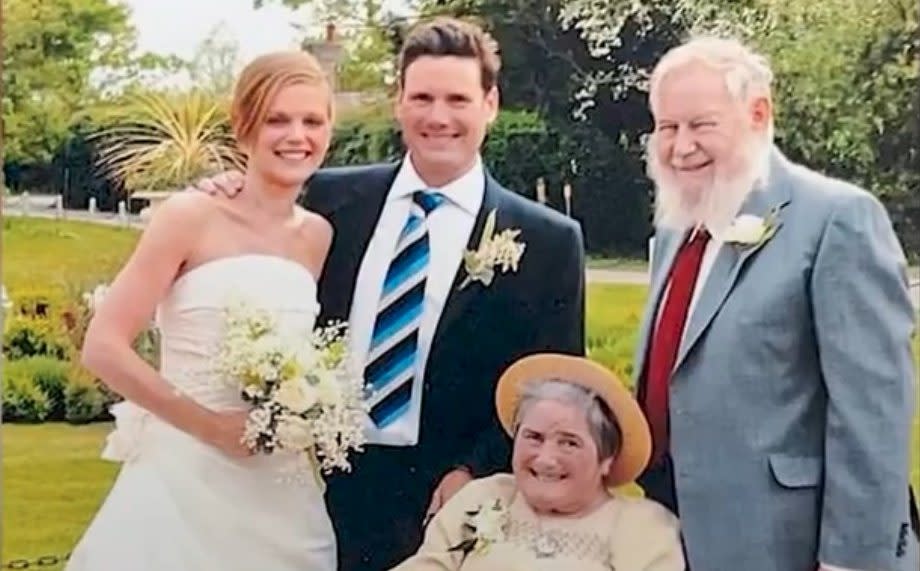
157 141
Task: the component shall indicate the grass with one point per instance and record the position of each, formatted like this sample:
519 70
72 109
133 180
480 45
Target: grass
624 264
53 483
612 316
61 254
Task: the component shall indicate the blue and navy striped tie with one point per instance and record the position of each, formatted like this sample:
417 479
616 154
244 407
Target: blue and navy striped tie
390 369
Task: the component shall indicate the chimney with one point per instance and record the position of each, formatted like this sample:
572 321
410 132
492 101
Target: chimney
329 53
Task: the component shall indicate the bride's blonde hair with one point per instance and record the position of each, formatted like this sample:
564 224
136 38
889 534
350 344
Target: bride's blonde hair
263 78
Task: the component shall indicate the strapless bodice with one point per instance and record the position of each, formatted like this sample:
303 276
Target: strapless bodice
191 319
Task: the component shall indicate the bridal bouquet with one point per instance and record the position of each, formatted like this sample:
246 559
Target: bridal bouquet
306 397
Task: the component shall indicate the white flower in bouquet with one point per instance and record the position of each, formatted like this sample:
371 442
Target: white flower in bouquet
330 393
253 392
297 395
307 397
295 432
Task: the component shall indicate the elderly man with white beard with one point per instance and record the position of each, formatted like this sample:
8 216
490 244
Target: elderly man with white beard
774 358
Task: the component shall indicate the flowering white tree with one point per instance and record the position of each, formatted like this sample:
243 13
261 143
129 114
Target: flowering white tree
608 26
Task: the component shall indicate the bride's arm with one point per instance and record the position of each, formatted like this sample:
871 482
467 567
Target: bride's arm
128 307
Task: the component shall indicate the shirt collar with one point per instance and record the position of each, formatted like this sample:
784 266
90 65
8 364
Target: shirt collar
466 191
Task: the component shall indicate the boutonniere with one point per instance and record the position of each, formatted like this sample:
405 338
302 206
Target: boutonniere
752 231
483 527
497 251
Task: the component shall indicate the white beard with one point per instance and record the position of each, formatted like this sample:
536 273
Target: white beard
679 208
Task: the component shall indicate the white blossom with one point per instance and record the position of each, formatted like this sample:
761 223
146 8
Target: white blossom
297 395
295 432
602 24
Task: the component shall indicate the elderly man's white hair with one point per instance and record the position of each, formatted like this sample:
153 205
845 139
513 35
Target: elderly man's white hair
746 72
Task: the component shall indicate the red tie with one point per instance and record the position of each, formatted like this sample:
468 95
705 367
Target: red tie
667 336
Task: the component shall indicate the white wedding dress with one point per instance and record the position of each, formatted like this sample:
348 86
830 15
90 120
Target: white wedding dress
179 504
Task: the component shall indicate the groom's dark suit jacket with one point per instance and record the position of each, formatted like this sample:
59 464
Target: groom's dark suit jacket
378 508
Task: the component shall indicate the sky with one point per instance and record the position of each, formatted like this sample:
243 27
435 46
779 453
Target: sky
177 26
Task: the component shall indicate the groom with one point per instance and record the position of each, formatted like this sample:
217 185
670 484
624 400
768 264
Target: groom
434 317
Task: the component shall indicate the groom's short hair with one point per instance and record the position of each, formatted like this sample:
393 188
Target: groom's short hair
443 36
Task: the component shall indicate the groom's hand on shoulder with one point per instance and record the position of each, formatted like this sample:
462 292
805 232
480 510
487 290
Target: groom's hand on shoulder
450 485
228 183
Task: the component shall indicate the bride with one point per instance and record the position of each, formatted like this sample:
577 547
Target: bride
190 495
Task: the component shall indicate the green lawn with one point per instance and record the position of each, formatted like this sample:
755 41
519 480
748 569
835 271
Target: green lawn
53 482
61 254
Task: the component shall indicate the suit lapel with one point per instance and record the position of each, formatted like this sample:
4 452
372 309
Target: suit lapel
669 246
731 258
458 300
355 215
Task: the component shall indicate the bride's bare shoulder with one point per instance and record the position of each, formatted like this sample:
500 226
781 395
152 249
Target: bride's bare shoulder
314 234
314 227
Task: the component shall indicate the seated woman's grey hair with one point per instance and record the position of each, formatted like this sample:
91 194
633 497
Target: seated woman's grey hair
601 421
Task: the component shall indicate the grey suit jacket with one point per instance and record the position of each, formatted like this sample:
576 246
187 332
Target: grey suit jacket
793 393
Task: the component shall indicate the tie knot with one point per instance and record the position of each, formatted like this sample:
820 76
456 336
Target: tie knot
428 200
700 235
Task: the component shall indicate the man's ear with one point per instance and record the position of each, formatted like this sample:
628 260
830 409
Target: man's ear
397 103
493 103
761 113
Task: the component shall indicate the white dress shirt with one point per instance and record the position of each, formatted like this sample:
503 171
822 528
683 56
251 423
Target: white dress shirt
449 228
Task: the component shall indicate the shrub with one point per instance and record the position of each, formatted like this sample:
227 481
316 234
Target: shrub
23 401
50 376
84 401
26 336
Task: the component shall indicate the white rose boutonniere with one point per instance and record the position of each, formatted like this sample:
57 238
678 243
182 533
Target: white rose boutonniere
483 527
498 251
752 231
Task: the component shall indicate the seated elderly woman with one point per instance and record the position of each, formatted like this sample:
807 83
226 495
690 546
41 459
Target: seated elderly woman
578 434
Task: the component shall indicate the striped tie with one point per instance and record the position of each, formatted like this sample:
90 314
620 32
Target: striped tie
390 366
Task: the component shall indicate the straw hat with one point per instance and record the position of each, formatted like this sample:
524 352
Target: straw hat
636 445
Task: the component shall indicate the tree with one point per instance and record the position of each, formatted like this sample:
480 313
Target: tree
216 61
367 34
847 78
846 70
846 83
631 36
51 50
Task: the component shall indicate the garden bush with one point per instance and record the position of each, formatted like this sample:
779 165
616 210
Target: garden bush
84 401
23 401
26 336
50 376
39 389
